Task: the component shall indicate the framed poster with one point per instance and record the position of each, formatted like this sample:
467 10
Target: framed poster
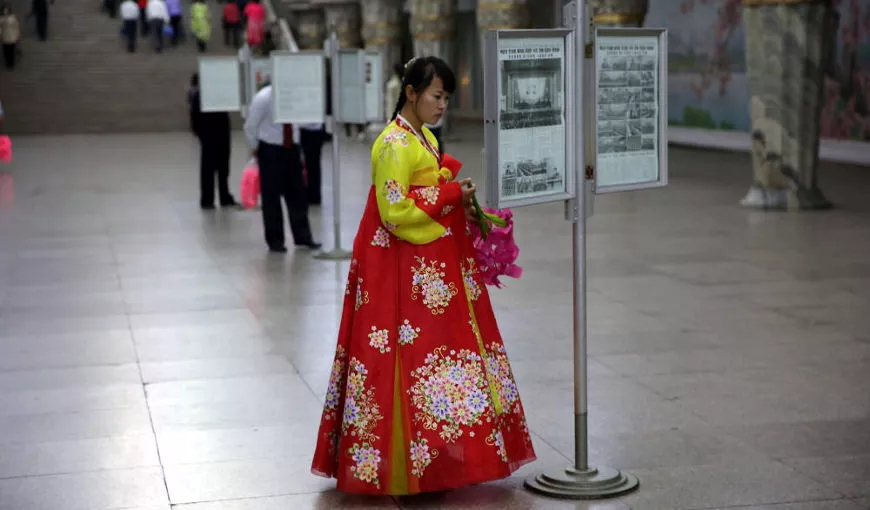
351 67
630 109
529 116
374 73
298 87
220 84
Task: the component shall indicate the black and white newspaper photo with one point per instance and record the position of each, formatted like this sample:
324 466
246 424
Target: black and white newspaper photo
532 117
627 110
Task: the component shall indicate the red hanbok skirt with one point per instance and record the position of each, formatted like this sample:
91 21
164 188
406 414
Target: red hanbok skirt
421 396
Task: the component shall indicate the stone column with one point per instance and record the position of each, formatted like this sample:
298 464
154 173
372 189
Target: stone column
502 14
381 32
619 13
343 16
433 26
310 26
788 43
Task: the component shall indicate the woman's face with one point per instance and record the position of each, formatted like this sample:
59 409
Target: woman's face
430 104
7 11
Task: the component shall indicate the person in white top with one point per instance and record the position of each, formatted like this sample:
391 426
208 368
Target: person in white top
130 17
274 146
436 130
158 16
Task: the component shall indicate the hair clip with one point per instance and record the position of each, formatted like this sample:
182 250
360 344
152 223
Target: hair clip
410 63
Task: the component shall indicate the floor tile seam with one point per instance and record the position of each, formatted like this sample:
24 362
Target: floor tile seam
182 506
80 472
241 460
781 363
18 443
776 504
151 423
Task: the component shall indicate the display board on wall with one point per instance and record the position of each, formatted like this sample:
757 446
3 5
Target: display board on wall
352 104
374 88
299 87
630 109
529 120
220 84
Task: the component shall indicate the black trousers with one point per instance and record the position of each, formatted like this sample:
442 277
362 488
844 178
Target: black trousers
232 33
143 21
9 55
312 151
200 44
157 27
130 34
214 159
281 178
175 21
42 25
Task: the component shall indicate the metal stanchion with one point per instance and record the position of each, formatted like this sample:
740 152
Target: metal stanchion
337 253
581 481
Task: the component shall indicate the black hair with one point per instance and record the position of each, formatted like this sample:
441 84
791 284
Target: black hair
420 73
399 70
194 80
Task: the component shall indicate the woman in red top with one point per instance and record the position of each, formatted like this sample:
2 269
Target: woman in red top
232 22
255 13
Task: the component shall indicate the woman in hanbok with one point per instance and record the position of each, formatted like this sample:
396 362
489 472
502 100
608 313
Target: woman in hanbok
421 397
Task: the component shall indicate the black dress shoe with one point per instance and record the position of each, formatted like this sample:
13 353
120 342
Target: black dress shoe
311 246
278 249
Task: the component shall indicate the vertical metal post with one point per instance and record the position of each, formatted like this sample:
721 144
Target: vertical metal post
581 405
337 253
581 481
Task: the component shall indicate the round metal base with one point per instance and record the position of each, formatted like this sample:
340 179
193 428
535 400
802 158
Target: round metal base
333 255
595 483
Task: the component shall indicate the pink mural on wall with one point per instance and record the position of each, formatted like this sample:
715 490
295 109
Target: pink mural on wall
707 67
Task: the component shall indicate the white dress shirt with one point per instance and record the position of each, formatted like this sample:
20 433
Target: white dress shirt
260 125
129 10
157 10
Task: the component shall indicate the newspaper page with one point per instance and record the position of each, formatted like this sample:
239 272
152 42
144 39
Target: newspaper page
627 106
532 117
298 88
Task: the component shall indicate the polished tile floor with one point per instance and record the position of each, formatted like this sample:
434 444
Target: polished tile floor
155 357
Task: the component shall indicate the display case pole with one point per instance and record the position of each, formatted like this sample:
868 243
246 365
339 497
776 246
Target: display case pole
336 253
581 481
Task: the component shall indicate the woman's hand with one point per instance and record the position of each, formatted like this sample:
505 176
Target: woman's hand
468 191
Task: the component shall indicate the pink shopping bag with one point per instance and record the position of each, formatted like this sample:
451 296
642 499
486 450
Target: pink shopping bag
250 186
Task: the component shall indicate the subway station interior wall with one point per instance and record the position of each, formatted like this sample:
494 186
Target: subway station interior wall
708 105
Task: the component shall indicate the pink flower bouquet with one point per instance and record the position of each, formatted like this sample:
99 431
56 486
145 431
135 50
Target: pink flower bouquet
494 245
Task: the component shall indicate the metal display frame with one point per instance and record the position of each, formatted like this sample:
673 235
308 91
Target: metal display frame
492 116
661 34
317 62
376 59
342 109
205 83
581 480
337 252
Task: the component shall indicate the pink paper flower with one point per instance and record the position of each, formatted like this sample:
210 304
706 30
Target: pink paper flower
495 250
